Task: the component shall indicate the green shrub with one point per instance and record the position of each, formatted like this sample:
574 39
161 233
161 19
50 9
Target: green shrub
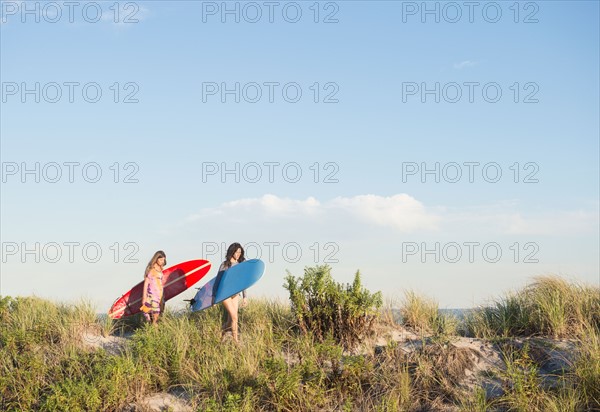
329 309
72 395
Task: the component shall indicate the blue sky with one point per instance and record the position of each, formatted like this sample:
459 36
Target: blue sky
364 141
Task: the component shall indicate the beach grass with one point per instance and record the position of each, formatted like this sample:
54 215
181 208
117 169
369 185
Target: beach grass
549 306
49 360
423 314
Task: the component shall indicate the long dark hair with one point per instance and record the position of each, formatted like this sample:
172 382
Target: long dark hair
157 255
230 251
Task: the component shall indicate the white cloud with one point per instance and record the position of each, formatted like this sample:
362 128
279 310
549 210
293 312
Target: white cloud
279 206
504 219
464 64
400 212
555 223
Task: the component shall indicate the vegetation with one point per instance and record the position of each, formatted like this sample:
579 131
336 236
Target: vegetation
328 309
550 306
297 358
423 315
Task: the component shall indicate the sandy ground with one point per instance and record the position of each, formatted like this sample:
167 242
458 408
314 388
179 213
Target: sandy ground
115 345
552 355
112 344
163 402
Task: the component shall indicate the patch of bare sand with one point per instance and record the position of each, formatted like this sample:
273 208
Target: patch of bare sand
115 345
163 401
177 401
553 357
486 365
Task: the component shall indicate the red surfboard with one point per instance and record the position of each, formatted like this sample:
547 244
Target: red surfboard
176 279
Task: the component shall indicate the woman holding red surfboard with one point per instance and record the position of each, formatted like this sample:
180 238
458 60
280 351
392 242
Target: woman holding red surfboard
153 296
235 255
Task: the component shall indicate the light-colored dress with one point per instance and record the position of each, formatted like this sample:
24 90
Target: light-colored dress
154 293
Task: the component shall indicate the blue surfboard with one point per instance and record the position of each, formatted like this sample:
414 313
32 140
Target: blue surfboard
204 297
229 283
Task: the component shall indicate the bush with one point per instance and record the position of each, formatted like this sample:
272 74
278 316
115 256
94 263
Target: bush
329 309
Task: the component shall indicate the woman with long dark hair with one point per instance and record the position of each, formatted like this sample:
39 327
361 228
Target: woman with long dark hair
153 297
235 255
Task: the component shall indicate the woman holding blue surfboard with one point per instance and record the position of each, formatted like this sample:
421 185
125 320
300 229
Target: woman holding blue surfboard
153 296
235 255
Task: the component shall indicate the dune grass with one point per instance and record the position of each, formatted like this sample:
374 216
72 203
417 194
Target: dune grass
554 308
46 365
550 306
586 371
42 364
423 314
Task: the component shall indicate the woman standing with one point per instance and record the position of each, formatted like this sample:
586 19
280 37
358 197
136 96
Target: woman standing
235 255
153 297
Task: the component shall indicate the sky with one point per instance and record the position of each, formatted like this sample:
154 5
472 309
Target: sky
450 148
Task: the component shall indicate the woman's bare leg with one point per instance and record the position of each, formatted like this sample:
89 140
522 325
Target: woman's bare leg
226 327
231 306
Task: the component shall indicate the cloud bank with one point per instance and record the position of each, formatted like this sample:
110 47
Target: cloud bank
400 213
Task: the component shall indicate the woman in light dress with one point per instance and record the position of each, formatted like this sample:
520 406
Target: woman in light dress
153 296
